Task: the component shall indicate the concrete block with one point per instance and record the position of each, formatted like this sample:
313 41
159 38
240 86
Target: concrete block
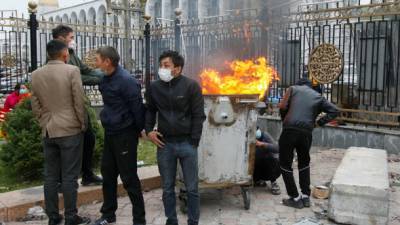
360 188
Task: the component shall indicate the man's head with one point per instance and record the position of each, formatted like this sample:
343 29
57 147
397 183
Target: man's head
63 33
107 59
17 87
172 60
304 81
57 50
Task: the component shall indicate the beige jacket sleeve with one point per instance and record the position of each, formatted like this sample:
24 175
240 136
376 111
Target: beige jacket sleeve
78 96
36 106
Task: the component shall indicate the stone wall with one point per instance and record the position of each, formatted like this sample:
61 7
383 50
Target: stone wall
342 136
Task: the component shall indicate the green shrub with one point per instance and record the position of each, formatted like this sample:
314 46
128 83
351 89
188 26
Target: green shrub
99 132
22 154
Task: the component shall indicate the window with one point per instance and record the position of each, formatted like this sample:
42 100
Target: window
236 5
213 7
157 9
175 4
193 12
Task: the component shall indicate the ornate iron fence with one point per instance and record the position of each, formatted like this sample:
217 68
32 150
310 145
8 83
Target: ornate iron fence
365 39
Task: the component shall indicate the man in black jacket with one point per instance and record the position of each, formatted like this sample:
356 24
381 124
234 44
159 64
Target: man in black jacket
123 119
176 102
299 109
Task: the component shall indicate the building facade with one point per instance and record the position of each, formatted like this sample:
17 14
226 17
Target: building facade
95 12
198 9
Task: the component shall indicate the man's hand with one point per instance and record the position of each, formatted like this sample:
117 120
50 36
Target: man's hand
260 144
154 137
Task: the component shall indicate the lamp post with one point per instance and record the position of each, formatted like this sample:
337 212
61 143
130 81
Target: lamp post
33 26
147 46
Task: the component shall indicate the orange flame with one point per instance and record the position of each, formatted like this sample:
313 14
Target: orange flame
247 77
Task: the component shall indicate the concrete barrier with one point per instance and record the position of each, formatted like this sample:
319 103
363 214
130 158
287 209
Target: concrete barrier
15 205
360 188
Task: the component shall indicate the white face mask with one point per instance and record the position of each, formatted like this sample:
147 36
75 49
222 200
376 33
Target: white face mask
258 134
72 44
165 74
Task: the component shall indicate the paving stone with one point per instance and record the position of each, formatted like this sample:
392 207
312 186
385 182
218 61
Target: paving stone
227 208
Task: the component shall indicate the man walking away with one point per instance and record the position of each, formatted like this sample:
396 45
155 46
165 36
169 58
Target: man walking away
58 104
89 77
123 120
178 104
299 109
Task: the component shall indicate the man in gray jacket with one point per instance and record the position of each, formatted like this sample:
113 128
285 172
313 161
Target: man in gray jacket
299 110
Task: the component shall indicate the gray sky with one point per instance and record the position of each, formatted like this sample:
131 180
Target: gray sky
22 5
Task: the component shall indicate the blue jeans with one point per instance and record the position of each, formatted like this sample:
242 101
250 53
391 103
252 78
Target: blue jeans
168 157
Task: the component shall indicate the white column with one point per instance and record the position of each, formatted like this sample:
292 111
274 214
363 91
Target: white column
166 9
203 7
184 6
223 5
150 8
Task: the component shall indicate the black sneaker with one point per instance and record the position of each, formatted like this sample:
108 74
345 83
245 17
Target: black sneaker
54 221
291 202
306 202
92 180
104 221
78 220
170 222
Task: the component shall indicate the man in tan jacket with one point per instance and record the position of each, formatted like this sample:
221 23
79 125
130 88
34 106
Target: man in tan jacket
58 104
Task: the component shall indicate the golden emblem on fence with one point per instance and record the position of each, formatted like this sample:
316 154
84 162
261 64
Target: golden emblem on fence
8 60
326 63
90 59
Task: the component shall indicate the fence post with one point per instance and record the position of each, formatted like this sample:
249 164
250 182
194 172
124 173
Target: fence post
178 31
148 47
33 26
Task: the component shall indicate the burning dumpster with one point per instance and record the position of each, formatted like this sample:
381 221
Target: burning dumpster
227 148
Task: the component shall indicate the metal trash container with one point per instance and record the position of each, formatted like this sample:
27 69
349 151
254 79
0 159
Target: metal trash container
227 147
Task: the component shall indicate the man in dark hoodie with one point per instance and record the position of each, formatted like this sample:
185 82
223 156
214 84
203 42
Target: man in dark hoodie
299 110
177 104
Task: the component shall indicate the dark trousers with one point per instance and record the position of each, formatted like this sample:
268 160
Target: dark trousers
120 158
167 158
89 141
266 167
62 156
301 141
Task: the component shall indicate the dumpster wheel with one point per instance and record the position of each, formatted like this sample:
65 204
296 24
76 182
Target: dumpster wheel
246 197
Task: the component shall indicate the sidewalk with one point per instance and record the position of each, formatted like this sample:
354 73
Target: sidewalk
226 207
